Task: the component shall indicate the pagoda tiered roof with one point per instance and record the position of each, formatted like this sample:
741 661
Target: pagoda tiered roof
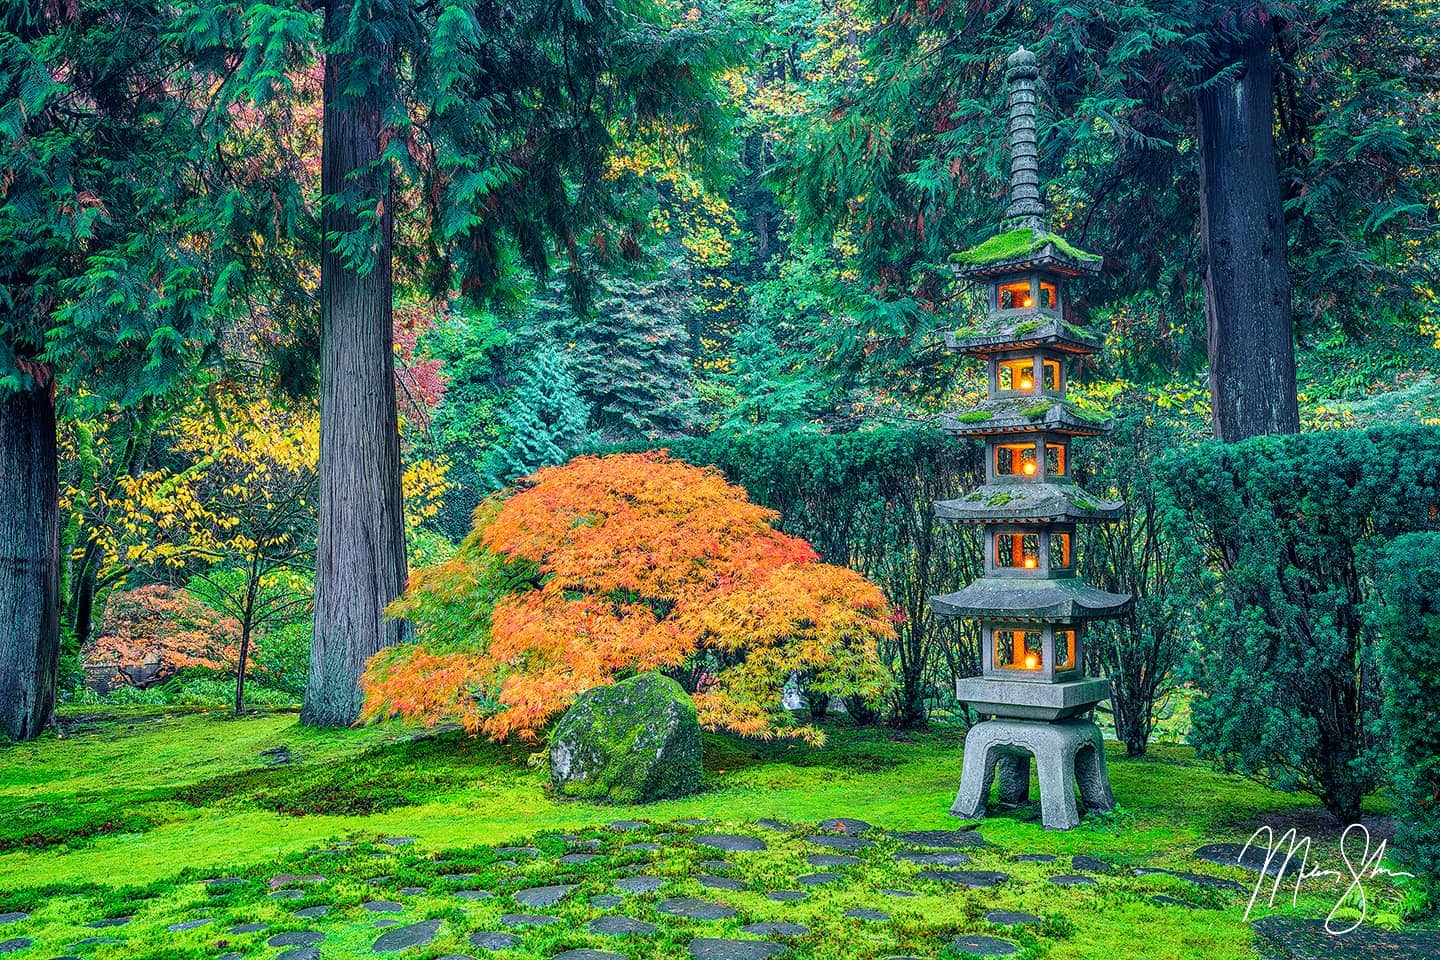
1021 332
1025 248
1028 414
1013 598
1027 502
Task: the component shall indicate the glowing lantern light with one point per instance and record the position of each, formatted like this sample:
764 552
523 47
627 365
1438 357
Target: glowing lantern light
1029 468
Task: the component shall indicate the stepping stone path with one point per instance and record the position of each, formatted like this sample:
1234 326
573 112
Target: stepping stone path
621 926
693 821
693 908
1201 879
1011 918
528 920
1073 880
107 922
410 935
189 924
286 879
494 941
314 912
411 891
845 843
641 847
249 928
776 928
933 858
95 941
720 883
606 901
1035 858
944 839
706 948
576 859
1088 864
640 885
399 841
845 825
983 946
815 879
1229 855
831 860
474 894
13 917
731 842
295 938
787 896
542 896
866 913
296 953
287 895
982 879
382 906
1289 938
585 953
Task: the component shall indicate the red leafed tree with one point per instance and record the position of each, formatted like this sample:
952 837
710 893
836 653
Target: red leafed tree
152 632
610 566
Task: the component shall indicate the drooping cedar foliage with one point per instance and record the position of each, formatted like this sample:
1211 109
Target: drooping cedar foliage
613 565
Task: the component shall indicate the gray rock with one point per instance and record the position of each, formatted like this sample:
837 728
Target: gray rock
586 953
494 941
641 847
528 920
399 841
831 860
1229 855
1035 858
474 894
411 891
641 884
943 839
410 935
719 883
1200 879
934 858
815 879
731 842
845 825
108 922
837 842
693 821
693 908
240 928
983 946
1084 863
980 879
633 742
15 916
867 913
542 896
189 924
1011 918
311 913
785 896
627 825
1073 880
606 901
299 953
899 893
575 859
286 879
287 894
296 938
621 926
715 948
776 928
382 906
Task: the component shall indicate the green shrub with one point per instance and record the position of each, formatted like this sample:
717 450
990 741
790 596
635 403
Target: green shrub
1407 620
1281 532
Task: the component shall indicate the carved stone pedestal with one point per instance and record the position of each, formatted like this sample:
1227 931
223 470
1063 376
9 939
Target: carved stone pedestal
1066 752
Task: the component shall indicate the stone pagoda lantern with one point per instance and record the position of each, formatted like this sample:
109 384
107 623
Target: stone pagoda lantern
1031 607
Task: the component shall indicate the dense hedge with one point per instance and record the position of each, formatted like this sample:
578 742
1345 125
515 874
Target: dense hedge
1407 620
1281 534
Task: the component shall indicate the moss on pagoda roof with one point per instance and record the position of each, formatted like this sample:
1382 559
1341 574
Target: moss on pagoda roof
1027 501
1002 332
1016 245
1026 414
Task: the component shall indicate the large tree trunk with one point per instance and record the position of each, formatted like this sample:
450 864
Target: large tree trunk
1242 233
360 561
29 562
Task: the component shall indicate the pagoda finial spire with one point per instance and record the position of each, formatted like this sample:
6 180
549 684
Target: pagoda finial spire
1026 208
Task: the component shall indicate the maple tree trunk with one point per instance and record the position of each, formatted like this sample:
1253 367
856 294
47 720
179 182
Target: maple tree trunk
1242 234
29 562
360 550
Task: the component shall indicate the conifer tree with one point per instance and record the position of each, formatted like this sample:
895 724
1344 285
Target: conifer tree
545 422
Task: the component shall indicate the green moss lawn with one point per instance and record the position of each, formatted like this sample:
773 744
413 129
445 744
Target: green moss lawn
127 815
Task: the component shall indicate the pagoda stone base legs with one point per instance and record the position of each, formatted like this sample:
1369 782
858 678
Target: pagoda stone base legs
1066 752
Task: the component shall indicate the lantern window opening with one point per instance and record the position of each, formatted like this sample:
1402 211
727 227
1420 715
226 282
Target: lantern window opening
1018 649
1049 296
1057 460
1053 381
1015 295
1017 551
1064 648
1015 375
1061 550
1016 459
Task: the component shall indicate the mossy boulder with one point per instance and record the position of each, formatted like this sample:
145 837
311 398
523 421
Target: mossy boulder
633 742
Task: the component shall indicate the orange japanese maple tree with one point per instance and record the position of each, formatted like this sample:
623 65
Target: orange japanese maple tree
610 566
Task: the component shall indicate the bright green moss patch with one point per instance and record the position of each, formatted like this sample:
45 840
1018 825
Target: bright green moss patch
999 499
1037 410
1014 244
974 416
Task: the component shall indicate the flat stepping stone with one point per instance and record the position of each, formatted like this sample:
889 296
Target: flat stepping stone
586 953
542 896
641 847
693 908
528 919
299 953
776 928
845 825
867 913
899 893
494 941
1200 879
786 896
412 891
285 879
311 913
983 946
621 926
1229 855
1073 880
240 928
591 844
815 879
382 906
715 948
606 901
296 938
398 841
518 851
189 924
978 879
106 922
1084 863
720 883
287 894
15 916
731 842
575 859
628 825
641 884
1011 918
410 935
840 842
1295 939
831 860
1035 858
934 858
944 839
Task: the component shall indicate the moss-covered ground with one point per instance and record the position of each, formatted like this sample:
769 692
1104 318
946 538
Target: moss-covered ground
127 815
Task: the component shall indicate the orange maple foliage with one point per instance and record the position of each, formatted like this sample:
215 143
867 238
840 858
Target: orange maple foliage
610 566
152 632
